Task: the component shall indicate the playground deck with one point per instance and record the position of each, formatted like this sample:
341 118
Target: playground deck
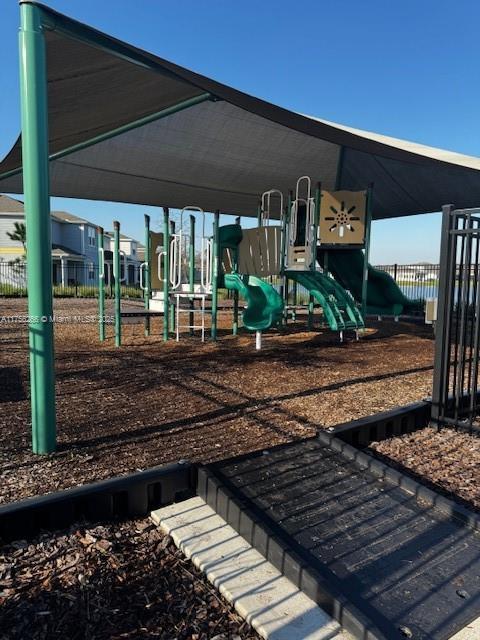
125 409
375 554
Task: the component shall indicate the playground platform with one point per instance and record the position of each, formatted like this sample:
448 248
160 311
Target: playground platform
374 555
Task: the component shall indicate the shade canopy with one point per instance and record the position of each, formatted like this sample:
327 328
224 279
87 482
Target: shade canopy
184 139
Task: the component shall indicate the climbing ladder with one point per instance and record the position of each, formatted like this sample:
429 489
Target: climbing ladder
183 292
301 243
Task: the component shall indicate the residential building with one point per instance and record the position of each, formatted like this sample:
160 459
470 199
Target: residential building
130 256
74 247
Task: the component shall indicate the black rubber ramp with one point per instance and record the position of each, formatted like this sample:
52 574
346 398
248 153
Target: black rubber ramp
408 569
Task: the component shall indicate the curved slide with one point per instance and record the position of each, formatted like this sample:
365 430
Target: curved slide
338 307
264 304
384 296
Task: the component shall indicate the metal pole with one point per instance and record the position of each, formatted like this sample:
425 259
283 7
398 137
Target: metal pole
259 214
172 302
166 269
235 292
147 273
442 328
285 254
191 271
215 260
33 98
101 285
368 224
313 263
316 222
117 276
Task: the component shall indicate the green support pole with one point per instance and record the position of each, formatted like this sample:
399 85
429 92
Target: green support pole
337 187
368 223
316 220
172 303
235 292
117 276
316 223
191 271
285 253
215 260
166 270
33 98
147 273
310 313
101 285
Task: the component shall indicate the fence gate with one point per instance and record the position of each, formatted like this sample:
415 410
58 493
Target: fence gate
457 342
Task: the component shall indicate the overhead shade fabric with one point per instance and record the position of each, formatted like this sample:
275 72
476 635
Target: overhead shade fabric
218 154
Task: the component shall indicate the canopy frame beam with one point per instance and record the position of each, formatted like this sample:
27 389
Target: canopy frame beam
135 124
35 167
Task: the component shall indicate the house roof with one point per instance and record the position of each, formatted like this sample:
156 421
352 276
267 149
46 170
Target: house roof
10 205
60 250
65 216
110 234
221 150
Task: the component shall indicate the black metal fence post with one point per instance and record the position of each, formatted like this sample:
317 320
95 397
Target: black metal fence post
443 323
455 393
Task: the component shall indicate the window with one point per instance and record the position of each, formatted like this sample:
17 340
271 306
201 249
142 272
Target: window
91 271
91 237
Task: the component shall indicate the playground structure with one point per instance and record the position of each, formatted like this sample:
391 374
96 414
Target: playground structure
319 241
77 144
220 149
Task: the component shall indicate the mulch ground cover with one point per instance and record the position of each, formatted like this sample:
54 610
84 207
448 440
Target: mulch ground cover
146 403
123 580
120 410
446 460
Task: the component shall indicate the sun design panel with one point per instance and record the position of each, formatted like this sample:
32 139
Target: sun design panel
342 217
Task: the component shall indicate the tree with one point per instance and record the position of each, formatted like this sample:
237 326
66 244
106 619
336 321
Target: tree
19 234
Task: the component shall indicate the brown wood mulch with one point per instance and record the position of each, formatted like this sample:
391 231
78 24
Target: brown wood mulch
146 403
123 580
447 460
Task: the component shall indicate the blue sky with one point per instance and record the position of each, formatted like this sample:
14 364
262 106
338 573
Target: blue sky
407 69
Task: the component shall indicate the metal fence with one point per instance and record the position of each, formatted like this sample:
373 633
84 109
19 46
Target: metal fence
417 281
75 280
457 342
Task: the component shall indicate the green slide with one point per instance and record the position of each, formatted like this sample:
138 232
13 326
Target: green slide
384 296
339 308
264 304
